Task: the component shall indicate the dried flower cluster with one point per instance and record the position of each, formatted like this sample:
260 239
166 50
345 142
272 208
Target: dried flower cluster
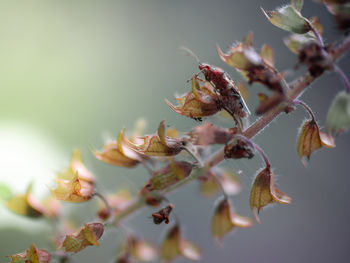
173 158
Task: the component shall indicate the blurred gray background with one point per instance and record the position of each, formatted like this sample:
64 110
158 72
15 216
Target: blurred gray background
75 72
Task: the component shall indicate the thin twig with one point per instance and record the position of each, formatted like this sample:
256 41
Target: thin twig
343 77
306 107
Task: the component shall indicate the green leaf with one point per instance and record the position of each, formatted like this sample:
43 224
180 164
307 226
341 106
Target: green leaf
338 117
288 18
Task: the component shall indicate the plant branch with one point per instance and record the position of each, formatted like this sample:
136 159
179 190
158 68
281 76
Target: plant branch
296 89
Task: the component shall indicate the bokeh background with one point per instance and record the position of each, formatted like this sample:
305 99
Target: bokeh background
73 73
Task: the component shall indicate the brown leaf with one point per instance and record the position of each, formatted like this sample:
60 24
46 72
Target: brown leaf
86 236
264 192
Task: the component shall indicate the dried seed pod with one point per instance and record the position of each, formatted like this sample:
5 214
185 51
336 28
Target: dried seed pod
163 215
264 192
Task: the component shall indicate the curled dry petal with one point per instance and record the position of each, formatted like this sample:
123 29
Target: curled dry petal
158 144
264 192
86 236
207 134
310 139
174 245
202 101
224 220
32 255
116 153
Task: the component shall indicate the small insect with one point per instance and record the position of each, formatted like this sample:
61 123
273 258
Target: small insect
230 97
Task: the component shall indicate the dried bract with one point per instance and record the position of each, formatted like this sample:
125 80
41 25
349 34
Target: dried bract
162 215
86 236
264 192
31 255
202 101
158 144
310 139
174 245
224 220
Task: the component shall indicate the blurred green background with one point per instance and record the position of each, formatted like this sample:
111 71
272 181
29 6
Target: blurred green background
73 73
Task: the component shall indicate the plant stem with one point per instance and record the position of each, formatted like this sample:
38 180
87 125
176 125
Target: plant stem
343 77
306 107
